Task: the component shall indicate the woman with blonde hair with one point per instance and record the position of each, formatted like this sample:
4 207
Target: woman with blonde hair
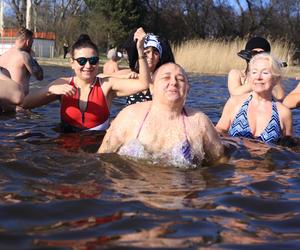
256 114
238 82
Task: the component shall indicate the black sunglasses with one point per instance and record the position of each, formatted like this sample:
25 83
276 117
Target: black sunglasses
83 60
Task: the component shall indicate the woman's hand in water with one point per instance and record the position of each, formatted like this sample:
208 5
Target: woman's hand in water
61 87
139 37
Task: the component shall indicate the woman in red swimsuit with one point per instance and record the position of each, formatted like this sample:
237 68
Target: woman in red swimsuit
85 98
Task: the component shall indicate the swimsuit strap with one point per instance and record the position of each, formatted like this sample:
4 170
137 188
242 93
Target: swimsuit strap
186 149
71 81
142 124
184 114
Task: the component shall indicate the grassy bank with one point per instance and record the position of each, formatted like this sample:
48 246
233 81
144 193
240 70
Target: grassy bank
218 57
209 56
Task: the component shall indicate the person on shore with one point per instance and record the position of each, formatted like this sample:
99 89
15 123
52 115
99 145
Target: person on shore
157 51
111 66
164 128
66 49
255 114
11 93
85 98
18 63
292 100
238 83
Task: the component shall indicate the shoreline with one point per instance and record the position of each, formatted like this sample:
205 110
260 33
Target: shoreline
290 71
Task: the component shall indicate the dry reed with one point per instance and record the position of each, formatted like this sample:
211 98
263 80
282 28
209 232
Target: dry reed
218 56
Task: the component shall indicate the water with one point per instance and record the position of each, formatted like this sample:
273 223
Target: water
55 193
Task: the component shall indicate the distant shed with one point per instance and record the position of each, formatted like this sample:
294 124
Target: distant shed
43 43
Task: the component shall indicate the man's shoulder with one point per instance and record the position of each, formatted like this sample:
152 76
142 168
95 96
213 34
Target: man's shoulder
25 54
10 54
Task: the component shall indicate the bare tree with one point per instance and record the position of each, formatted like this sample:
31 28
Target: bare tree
19 7
35 7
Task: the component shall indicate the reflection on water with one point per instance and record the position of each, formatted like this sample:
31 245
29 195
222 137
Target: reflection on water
55 193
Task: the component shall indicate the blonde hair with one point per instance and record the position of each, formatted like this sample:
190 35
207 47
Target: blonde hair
275 65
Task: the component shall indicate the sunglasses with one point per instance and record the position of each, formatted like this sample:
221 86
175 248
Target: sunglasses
83 60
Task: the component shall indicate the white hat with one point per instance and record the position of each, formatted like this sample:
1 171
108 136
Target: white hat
152 41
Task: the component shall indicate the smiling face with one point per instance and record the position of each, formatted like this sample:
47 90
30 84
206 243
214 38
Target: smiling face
260 75
170 84
86 72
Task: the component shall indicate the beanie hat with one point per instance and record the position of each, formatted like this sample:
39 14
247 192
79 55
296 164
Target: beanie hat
258 42
152 41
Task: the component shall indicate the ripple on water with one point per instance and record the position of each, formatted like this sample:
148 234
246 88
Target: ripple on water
55 193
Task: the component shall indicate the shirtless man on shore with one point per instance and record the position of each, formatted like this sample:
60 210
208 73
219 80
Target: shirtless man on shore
18 64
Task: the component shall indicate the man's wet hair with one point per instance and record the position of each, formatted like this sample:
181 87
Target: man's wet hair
24 33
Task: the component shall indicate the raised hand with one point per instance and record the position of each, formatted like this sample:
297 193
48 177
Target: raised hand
139 37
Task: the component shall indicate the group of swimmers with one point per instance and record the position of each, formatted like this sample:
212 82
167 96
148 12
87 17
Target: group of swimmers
159 125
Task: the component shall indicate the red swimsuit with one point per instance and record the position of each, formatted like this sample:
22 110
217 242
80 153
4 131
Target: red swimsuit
95 114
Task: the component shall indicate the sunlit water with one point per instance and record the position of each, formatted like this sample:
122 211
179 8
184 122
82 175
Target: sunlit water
56 193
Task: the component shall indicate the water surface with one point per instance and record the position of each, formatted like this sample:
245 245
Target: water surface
56 193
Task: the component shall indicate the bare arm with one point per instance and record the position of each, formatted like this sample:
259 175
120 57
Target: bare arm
115 135
292 100
224 122
50 93
213 146
10 91
125 87
235 85
286 120
123 73
33 67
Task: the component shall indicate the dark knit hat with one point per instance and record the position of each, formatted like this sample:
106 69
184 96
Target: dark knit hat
258 42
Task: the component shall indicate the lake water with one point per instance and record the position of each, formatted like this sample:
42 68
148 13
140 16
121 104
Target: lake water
56 193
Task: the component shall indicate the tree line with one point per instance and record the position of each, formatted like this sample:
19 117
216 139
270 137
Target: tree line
109 22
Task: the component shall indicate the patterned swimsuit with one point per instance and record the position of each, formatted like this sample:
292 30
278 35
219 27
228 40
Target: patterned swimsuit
240 126
139 97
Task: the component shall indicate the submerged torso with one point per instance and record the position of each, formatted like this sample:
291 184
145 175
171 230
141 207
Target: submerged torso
95 114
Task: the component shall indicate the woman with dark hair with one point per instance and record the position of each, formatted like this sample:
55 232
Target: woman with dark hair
85 98
237 80
157 52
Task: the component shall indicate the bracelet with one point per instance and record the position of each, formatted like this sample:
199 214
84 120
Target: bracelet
142 57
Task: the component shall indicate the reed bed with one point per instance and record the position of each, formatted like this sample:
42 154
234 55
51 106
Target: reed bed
219 56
